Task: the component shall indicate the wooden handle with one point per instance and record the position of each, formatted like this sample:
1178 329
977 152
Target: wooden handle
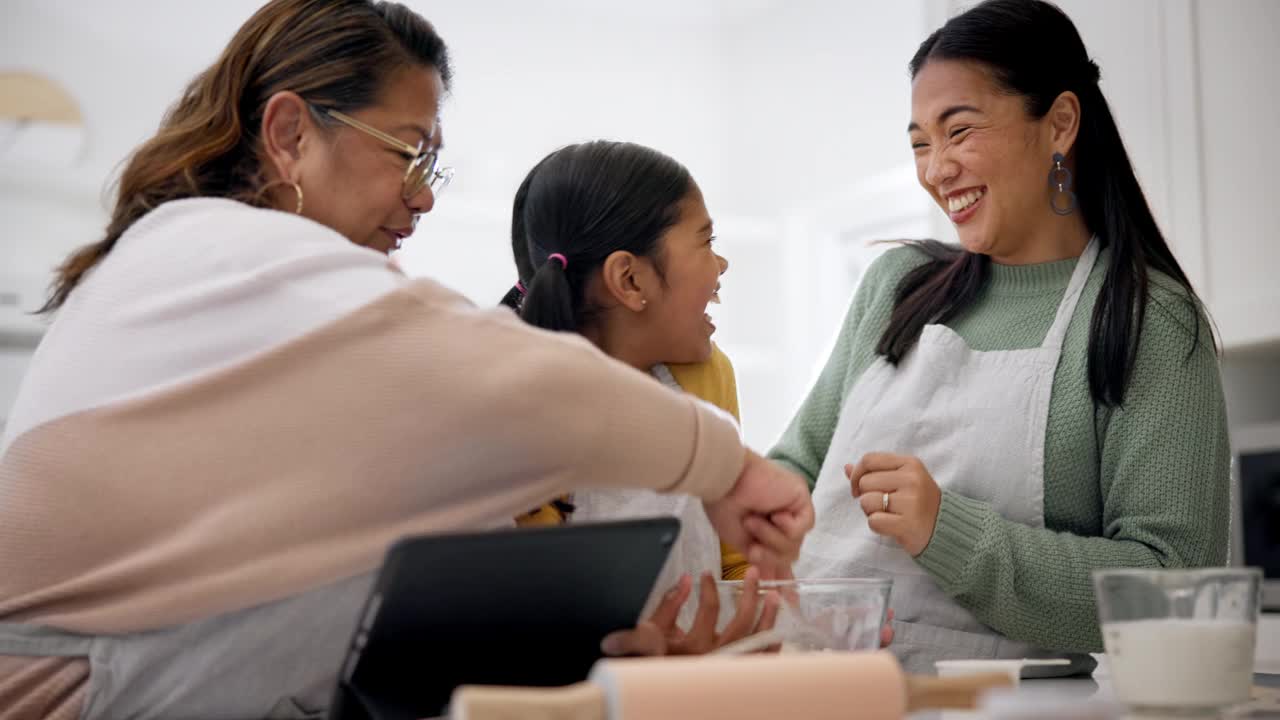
583 701
951 693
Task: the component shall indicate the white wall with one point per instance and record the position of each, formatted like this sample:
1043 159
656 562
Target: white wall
818 103
768 103
790 115
124 77
820 98
528 81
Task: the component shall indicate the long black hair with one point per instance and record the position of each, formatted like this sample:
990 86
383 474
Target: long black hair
1032 49
584 202
520 246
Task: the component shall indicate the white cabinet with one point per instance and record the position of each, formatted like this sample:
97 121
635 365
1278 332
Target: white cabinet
1239 61
1193 86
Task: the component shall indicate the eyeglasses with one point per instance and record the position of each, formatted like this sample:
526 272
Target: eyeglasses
423 170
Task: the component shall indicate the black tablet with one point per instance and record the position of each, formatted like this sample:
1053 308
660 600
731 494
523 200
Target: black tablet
509 607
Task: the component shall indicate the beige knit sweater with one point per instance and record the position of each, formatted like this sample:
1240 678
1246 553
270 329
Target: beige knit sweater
239 405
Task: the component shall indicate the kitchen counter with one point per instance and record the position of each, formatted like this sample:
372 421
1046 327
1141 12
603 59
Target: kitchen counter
1091 699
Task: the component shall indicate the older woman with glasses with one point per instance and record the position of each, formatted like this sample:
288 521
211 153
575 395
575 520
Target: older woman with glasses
241 402
423 171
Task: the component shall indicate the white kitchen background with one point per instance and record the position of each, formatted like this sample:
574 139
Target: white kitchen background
790 115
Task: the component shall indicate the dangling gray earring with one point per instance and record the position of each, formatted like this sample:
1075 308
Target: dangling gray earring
1060 186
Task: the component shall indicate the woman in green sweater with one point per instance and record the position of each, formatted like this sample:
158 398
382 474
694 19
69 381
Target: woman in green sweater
1000 419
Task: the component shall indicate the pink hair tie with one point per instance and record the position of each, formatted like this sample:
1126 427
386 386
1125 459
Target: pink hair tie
520 287
564 261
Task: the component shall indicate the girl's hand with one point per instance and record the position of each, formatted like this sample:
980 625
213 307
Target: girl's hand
660 635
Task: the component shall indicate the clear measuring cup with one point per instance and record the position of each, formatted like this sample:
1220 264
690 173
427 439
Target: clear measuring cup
1180 640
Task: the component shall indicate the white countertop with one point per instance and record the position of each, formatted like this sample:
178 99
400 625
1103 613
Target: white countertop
1091 698
1088 699
1267 657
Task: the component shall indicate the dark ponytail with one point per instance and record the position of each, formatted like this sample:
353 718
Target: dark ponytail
1033 50
549 302
514 297
1114 207
585 202
933 292
520 246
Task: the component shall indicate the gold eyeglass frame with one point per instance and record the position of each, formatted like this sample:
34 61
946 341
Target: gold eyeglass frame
425 162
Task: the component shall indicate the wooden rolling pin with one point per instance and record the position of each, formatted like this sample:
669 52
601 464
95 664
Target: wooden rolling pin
816 686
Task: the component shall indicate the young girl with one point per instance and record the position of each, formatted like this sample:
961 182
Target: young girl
613 241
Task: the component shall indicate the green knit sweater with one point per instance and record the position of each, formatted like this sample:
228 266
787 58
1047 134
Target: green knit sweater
1142 485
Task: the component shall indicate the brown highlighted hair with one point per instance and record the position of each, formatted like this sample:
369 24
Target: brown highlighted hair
336 54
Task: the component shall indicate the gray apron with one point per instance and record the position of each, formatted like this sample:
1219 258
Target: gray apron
696 550
278 660
977 421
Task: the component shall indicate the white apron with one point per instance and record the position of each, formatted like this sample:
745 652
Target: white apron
696 550
977 421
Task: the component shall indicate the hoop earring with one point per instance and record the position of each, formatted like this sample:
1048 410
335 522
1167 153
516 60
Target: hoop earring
296 189
1060 184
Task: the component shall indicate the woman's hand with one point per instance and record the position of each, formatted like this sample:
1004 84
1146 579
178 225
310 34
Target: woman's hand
766 514
660 635
899 496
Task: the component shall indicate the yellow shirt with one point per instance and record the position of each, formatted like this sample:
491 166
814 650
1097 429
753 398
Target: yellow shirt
714 382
